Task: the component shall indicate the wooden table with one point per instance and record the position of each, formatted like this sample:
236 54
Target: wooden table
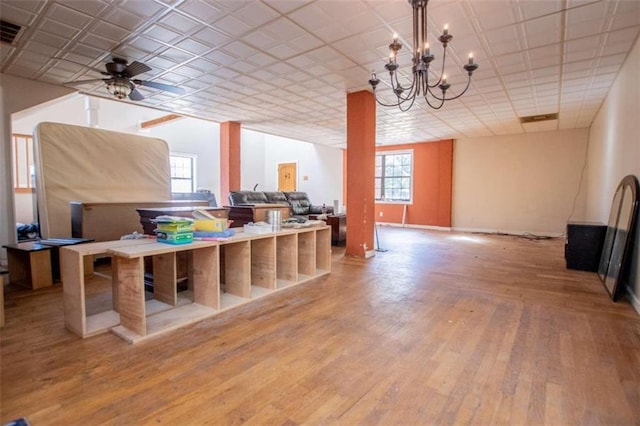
55 244
338 225
241 215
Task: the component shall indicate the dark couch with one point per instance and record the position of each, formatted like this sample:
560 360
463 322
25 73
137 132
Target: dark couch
298 201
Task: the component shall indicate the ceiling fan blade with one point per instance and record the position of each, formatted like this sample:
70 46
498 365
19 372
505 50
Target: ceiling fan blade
82 65
135 68
161 86
135 95
94 80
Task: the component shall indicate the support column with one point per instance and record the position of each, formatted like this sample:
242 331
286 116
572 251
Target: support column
361 152
229 159
92 106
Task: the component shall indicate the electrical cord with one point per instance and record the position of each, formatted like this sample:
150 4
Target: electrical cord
584 167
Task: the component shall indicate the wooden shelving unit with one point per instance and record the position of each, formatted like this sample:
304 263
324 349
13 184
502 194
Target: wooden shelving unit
222 275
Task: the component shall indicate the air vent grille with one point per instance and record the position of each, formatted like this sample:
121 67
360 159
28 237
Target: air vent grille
8 31
538 118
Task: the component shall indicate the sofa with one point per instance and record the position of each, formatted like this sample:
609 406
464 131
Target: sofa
297 201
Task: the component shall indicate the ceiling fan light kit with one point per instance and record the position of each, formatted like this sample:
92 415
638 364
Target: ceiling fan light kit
119 88
422 58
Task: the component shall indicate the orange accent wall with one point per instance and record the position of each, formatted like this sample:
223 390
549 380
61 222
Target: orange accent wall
361 143
432 186
229 158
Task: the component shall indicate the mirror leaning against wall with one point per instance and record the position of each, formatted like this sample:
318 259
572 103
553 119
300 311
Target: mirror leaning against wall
616 252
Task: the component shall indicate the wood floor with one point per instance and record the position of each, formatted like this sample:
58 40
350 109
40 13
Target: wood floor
443 328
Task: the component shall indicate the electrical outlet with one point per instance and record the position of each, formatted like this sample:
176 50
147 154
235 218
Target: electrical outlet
381 214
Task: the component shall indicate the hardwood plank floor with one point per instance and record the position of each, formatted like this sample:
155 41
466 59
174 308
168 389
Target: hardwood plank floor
444 328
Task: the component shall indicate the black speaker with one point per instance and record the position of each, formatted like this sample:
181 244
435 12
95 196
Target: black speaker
584 245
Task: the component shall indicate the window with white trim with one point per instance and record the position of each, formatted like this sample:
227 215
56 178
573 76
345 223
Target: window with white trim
394 176
183 172
23 169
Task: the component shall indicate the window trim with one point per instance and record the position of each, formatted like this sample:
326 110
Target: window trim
402 151
194 169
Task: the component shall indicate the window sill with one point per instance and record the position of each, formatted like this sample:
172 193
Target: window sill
24 190
408 202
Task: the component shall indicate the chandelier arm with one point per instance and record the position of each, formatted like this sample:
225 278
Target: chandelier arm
410 95
413 99
425 82
433 95
398 104
412 90
444 60
382 103
461 93
453 97
433 106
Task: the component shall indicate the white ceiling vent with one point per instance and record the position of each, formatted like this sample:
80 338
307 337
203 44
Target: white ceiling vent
538 118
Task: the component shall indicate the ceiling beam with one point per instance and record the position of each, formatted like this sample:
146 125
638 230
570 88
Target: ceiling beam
160 120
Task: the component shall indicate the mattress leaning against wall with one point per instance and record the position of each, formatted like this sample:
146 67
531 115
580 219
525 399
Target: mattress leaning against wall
75 163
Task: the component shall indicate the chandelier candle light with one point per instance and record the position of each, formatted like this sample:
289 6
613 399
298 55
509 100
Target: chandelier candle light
422 58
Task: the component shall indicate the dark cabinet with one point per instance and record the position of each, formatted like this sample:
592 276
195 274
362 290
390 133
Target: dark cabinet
583 245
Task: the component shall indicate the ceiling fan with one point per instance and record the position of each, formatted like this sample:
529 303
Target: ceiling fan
120 81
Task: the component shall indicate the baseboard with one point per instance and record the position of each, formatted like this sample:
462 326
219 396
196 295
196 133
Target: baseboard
399 225
635 302
507 232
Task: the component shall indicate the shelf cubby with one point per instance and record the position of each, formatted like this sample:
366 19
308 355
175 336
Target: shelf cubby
263 264
307 253
286 260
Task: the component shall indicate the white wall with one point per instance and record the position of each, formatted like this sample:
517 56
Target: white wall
519 183
321 165
252 161
261 154
16 94
68 110
24 207
200 138
614 151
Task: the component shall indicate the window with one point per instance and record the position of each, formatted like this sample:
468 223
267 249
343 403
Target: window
394 174
23 169
183 172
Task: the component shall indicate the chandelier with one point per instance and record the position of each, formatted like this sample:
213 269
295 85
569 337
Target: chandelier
422 58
